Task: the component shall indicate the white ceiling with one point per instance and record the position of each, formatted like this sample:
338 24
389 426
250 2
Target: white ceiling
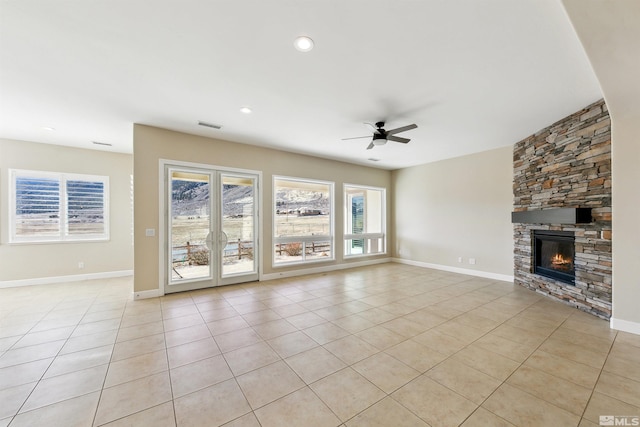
472 74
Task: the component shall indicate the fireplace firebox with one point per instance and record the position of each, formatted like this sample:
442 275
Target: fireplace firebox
554 254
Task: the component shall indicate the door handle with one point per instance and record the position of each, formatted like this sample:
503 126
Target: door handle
224 239
209 241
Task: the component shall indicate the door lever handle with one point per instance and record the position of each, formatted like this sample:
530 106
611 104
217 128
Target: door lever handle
209 241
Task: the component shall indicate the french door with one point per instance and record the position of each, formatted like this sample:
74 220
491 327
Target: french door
211 221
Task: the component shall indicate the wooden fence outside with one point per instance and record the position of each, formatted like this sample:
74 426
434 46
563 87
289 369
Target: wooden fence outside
312 247
241 249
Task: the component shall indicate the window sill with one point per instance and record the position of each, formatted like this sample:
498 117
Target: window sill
294 263
57 242
363 255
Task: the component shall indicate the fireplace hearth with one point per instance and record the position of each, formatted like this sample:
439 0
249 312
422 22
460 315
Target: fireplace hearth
554 255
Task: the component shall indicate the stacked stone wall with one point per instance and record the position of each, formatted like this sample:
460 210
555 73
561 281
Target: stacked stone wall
568 165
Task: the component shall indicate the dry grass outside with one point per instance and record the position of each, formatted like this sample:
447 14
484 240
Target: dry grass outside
199 257
195 229
293 225
293 249
43 224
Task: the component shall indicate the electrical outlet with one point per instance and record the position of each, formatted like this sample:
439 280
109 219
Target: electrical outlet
459 259
81 265
472 261
150 232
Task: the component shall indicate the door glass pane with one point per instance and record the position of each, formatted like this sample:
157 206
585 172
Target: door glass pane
238 224
190 213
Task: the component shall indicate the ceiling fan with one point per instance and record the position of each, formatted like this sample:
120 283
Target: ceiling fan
381 136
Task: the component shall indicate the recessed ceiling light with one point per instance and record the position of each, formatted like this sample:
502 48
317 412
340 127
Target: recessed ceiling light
245 110
303 43
49 128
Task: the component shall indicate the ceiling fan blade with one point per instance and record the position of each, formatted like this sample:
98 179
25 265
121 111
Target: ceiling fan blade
397 139
370 146
356 137
373 128
402 129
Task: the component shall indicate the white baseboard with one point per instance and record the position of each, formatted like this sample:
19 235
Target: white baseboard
63 279
477 273
147 294
625 325
328 268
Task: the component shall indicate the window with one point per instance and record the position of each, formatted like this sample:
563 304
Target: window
364 220
303 221
55 207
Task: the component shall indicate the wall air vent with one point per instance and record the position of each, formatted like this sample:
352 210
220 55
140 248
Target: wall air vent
209 125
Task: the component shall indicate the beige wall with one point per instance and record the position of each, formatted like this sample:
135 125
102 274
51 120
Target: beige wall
610 33
625 156
454 208
35 261
152 144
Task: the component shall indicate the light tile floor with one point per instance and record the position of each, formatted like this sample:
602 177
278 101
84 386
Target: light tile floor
387 345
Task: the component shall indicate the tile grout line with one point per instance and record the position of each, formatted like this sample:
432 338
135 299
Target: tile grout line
52 361
525 391
593 390
466 346
104 381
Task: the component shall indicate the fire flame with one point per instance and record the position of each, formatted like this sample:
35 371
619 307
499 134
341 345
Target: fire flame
558 259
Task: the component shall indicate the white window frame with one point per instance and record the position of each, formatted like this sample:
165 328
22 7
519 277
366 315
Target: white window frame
368 238
305 240
63 235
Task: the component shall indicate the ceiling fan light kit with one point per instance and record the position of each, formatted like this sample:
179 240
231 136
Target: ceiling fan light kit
379 139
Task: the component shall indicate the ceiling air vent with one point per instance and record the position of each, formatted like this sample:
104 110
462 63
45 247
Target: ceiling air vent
209 125
106 144
371 159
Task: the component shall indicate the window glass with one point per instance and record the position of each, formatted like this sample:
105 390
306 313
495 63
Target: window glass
303 220
48 206
85 207
364 220
37 206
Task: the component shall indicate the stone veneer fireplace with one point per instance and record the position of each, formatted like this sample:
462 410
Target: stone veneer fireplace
566 168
